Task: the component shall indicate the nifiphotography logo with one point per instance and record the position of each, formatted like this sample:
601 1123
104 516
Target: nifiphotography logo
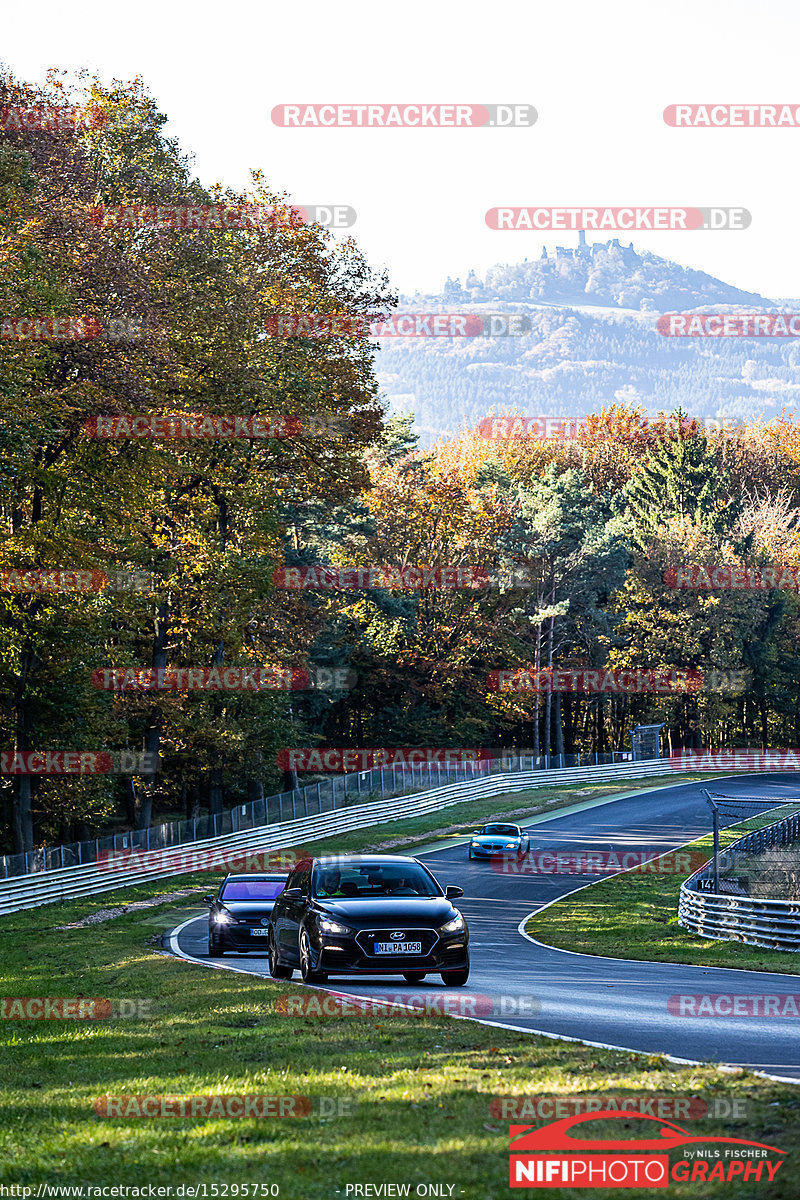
554 1157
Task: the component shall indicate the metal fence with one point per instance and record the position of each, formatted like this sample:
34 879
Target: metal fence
44 887
753 894
314 798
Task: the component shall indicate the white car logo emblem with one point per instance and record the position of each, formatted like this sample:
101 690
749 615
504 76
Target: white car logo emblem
397 937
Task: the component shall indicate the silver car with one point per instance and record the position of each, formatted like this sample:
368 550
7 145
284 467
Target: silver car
498 838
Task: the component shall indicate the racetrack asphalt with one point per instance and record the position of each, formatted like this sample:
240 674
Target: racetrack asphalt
604 1001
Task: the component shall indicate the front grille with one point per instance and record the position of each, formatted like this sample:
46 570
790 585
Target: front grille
366 937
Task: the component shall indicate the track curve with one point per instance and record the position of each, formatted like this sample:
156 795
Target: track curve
611 1002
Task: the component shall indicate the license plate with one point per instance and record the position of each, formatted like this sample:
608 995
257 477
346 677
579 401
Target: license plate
259 932
398 947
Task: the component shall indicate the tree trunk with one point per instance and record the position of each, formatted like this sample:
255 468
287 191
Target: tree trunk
152 734
23 808
602 742
23 815
216 792
537 663
129 799
559 726
548 707
569 722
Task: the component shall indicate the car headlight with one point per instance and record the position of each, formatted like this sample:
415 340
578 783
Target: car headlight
511 845
326 925
454 926
223 918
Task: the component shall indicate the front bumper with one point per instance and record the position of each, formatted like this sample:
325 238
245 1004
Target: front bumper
505 852
354 956
239 937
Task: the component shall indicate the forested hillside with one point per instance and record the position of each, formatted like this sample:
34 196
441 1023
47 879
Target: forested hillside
592 525
593 342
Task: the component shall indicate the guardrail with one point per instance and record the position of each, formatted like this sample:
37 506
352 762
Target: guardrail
774 924
337 791
45 887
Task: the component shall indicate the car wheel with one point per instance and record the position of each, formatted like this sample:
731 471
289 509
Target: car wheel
306 969
455 978
215 949
413 976
276 968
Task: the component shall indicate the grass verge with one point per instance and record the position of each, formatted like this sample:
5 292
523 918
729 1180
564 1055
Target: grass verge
406 1099
635 915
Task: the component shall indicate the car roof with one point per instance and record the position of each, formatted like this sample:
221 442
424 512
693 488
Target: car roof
255 876
373 860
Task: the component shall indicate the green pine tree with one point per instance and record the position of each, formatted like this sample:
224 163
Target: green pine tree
680 477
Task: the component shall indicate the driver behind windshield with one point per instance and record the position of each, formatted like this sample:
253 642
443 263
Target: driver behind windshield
328 883
374 881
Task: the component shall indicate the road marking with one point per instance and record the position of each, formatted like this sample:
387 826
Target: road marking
555 814
179 953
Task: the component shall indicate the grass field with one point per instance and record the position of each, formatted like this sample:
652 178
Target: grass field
400 1099
634 915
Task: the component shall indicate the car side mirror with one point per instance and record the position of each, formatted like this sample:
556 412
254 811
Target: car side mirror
452 890
293 893
209 899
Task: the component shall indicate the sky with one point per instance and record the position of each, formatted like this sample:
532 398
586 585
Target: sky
599 76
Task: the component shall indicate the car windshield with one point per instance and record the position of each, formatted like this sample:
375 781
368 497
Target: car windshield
366 882
506 830
252 889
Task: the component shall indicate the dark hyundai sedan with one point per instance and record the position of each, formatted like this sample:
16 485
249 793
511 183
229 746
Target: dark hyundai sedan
239 915
374 914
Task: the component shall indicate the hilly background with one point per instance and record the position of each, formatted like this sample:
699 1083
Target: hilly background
593 342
